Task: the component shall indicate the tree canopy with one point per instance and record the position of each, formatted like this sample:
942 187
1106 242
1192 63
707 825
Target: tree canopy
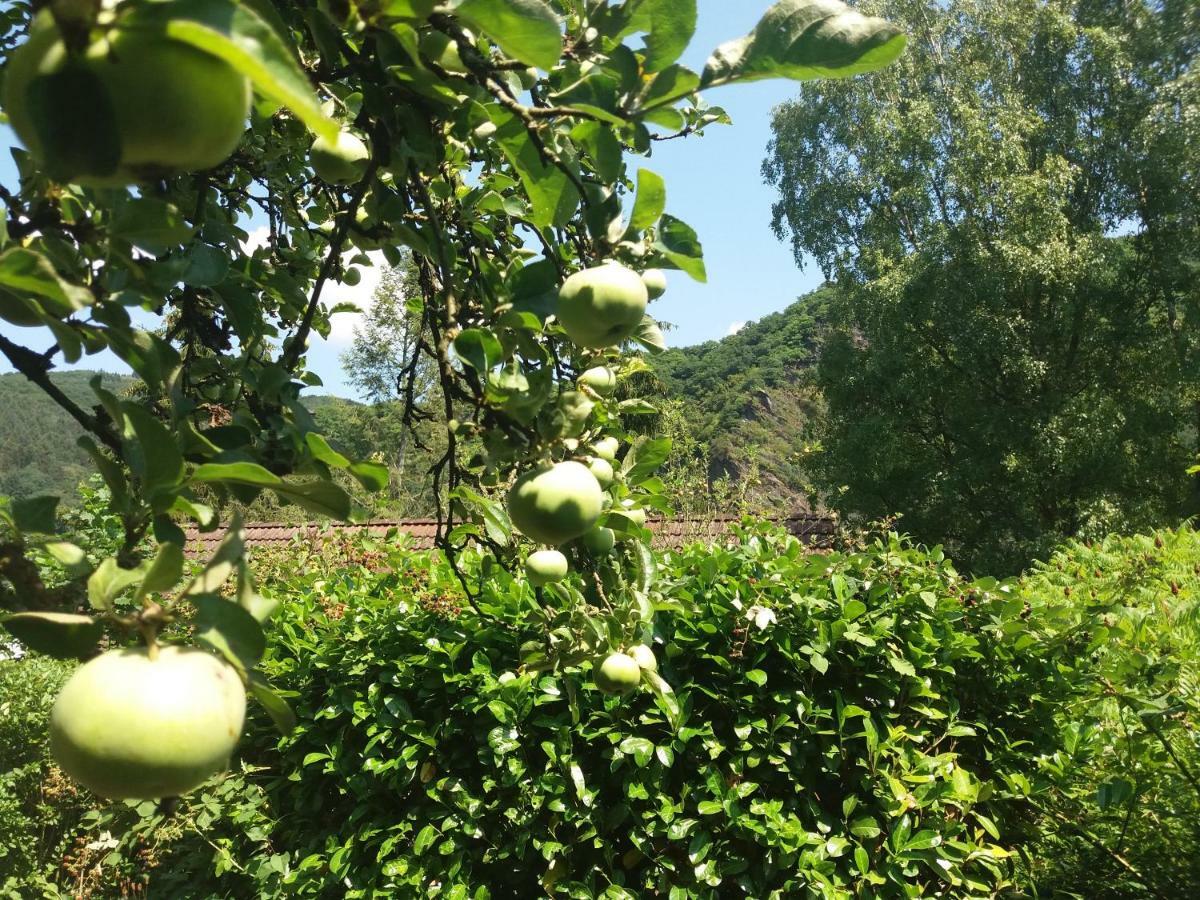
1010 214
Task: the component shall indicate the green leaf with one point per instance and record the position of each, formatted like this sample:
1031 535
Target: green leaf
551 192
229 629
281 714
425 838
651 200
109 581
639 748
526 30
151 224
164 573
36 515
223 563
371 475
322 498
237 473
479 348
235 33
320 449
61 635
806 39
162 463
670 25
757 676
27 272
650 335
70 556
678 242
644 458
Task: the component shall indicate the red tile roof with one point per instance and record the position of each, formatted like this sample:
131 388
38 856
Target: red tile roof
669 534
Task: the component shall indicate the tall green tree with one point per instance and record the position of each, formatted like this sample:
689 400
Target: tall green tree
1010 214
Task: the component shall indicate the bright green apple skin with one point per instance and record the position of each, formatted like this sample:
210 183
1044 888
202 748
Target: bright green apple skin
602 306
600 379
644 657
635 514
603 471
600 541
546 567
128 727
556 503
342 161
606 448
618 674
175 108
655 281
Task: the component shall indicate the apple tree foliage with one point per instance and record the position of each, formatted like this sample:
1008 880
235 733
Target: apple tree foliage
496 143
1011 216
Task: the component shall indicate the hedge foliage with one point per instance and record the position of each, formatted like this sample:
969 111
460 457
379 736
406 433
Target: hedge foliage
859 724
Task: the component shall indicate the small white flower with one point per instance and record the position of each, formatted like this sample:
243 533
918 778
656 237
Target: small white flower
761 616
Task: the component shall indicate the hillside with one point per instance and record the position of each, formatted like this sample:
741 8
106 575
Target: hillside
38 454
748 398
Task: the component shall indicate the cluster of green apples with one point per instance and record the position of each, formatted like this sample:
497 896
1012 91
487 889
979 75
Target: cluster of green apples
133 105
556 503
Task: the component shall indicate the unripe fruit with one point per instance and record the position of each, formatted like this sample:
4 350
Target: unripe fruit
644 657
606 448
602 306
635 514
127 726
341 161
443 50
618 674
600 379
135 106
600 541
655 281
546 567
351 277
603 471
556 503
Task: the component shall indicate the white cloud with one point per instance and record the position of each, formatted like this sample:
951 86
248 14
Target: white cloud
734 328
361 295
257 238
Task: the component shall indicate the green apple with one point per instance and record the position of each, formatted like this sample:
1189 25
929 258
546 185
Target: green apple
655 281
600 379
606 448
602 306
134 106
635 514
644 657
443 50
600 541
545 567
128 726
556 503
340 161
618 674
603 471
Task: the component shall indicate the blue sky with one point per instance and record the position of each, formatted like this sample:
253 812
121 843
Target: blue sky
713 183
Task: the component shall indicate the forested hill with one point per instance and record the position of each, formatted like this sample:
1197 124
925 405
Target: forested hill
38 454
748 395
745 397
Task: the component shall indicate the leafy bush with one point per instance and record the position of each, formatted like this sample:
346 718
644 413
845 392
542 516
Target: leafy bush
865 723
32 802
1120 789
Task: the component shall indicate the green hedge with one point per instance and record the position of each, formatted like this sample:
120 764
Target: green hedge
864 724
